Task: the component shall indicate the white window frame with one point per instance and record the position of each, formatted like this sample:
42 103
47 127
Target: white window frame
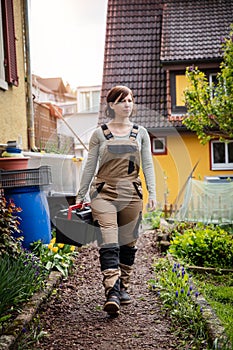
3 83
157 151
82 107
220 166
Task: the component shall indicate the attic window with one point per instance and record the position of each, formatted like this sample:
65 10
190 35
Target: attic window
178 85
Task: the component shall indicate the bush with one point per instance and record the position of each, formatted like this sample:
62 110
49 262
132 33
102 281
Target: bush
207 246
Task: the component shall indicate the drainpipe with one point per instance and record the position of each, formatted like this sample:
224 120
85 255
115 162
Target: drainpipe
29 101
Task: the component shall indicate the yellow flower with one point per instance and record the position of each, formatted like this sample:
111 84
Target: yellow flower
55 249
50 246
53 240
72 248
60 245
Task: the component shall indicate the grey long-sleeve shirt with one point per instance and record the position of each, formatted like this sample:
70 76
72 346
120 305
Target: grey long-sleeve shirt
96 147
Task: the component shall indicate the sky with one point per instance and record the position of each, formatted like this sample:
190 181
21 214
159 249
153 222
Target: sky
67 40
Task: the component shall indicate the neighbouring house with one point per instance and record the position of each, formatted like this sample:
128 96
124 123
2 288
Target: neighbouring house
15 106
51 100
85 120
148 46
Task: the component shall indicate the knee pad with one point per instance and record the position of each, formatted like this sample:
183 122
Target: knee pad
109 257
127 255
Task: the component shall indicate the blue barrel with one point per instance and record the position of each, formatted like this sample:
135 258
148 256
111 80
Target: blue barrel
35 219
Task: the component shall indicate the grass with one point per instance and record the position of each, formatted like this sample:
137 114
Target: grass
218 291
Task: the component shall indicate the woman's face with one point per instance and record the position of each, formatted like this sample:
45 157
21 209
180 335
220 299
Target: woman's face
123 108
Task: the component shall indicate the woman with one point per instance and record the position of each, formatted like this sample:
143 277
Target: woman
117 149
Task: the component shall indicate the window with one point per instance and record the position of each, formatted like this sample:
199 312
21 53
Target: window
158 145
221 155
8 66
213 81
88 101
179 83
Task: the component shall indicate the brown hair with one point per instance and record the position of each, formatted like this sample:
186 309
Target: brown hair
117 94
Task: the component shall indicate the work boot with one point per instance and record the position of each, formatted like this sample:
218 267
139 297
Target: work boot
112 305
124 297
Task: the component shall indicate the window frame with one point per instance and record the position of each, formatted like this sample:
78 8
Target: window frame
159 152
220 166
82 105
210 72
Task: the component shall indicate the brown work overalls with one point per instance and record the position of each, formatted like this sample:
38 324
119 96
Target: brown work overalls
116 201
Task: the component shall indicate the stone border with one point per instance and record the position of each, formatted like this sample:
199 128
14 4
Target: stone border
29 311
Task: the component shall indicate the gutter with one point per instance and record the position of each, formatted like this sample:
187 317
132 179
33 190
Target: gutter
29 101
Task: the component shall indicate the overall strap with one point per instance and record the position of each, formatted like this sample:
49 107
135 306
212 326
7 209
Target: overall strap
107 133
134 132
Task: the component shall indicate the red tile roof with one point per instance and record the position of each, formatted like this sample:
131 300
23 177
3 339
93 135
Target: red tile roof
193 30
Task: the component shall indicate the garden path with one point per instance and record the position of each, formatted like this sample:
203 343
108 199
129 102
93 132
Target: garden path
73 318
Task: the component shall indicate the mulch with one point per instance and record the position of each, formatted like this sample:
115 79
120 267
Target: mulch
73 317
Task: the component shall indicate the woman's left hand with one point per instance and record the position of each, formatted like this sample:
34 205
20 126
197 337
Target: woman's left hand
151 205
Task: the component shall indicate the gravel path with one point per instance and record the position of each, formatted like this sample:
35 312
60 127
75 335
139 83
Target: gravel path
73 318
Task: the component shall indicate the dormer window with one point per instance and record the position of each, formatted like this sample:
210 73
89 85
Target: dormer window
178 83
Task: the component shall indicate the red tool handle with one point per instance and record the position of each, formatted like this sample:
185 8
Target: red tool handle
75 206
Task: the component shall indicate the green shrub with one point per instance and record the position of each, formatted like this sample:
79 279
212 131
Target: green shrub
207 246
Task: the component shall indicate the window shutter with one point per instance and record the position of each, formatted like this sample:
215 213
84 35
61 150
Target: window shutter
9 42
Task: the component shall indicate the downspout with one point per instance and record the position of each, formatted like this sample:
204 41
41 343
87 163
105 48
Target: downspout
29 101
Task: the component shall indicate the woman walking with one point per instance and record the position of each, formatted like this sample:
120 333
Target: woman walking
111 174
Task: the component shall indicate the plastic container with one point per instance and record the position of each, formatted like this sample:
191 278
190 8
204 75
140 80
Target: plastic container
41 176
35 219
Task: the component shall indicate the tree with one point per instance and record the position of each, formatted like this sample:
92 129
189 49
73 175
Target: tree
210 107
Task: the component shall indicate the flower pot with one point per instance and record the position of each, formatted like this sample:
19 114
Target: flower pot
14 163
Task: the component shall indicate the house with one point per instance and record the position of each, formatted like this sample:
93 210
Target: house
15 107
51 100
148 46
85 120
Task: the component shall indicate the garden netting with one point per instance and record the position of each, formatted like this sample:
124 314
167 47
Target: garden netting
207 202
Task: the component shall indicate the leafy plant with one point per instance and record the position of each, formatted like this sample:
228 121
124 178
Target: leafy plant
20 278
153 218
175 287
210 107
208 246
9 224
54 255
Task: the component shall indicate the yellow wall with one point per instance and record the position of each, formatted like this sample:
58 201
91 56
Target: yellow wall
13 101
173 169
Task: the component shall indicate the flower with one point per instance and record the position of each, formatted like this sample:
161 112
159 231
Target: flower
177 293
55 249
53 240
50 246
60 245
72 248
